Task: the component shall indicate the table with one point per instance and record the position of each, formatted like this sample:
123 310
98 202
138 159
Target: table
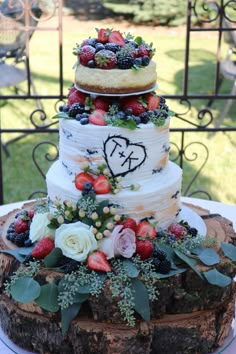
226 210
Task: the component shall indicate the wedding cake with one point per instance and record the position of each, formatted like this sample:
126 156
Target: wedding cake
110 262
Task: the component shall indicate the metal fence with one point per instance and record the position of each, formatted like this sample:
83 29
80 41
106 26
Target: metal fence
18 22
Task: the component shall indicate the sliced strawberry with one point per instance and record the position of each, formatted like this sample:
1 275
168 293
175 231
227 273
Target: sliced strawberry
144 248
98 261
101 185
153 102
102 103
178 230
20 225
97 117
76 97
43 248
146 230
116 37
81 178
130 224
103 35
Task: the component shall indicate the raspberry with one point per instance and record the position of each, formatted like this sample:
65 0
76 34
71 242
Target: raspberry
178 230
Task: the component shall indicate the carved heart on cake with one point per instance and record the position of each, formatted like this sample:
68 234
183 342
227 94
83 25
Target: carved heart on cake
122 156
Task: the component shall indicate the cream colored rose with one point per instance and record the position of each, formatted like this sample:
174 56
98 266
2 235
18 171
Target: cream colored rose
39 228
75 240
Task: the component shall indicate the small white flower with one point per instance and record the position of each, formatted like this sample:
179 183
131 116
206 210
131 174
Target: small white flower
113 210
117 217
99 236
98 223
94 216
110 225
60 219
106 210
106 233
81 213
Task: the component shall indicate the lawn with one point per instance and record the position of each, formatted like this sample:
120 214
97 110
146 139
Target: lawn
21 176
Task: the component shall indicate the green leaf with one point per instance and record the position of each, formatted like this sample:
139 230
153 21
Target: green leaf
125 123
197 250
61 115
102 205
171 273
52 258
14 253
48 298
190 261
216 278
130 268
25 289
209 257
141 298
67 316
139 40
80 296
229 250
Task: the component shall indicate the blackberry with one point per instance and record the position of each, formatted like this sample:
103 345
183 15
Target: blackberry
75 109
112 46
144 118
145 60
11 236
160 254
22 213
192 231
162 100
11 227
28 259
165 266
161 234
125 62
156 262
71 266
20 239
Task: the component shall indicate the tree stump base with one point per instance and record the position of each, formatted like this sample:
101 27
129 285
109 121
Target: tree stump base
190 316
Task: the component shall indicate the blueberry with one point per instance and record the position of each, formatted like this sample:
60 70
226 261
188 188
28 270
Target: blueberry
99 46
84 121
28 243
137 119
121 115
84 115
88 186
138 61
65 108
145 60
91 64
92 42
128 111
61 108
78 116
144 118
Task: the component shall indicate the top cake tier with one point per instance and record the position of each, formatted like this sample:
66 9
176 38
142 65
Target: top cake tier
114 63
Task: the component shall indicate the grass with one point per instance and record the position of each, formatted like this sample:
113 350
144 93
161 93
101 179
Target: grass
21 176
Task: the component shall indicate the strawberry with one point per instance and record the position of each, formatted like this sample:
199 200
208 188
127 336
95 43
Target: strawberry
143 50
178 230
98 261
31 213
101 185
144 248
71 90
105 59
146 230
76 97
153 102
135 104
86 53
116 37
130 224
103 35
81 178
20 225
43 248
97 117
101 103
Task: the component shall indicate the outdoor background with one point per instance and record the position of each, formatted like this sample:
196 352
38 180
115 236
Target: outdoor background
166 28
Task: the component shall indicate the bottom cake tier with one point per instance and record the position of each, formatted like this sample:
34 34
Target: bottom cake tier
159 199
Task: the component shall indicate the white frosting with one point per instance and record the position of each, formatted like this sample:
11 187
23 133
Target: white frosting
136 155
159 197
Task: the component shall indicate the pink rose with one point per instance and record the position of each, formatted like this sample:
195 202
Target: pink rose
122 242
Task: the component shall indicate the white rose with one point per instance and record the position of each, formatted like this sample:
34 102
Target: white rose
76 240
39 227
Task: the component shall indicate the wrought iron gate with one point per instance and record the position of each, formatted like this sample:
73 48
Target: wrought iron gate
201 16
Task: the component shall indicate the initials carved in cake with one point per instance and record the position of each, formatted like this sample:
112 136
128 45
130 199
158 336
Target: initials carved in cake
122 156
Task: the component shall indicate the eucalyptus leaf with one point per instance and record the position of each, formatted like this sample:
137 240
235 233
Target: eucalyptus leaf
25 289
52 258
229 250
141 298
80 297
190 261
14 253
48 298
216 278
197 250
130 268
171 273
102 205
67 316
209 257
25 251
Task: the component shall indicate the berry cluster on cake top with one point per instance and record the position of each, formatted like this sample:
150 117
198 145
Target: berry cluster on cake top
111 49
